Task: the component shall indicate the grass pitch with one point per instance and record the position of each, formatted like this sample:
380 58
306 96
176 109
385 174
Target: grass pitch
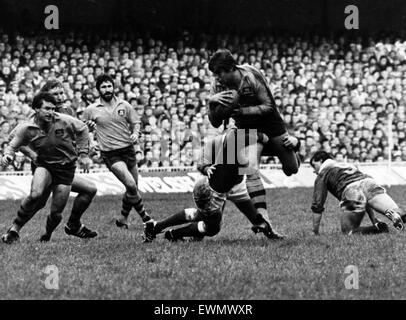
236 264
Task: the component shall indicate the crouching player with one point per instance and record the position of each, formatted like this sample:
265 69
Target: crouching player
57 140
222 182
358 193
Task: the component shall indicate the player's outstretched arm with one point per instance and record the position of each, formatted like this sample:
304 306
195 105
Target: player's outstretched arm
316 223
319 198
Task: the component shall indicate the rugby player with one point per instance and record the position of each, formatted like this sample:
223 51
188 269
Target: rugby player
85 189
222 182
357 192
57 141
242 93
117 128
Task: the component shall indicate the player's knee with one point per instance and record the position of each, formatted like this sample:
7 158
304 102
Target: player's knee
35 196
91 192
290 169
132 188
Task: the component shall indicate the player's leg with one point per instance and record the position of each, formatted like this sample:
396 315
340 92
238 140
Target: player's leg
131 197
384 204
40 189
350 220
209 226
60 196
381 202
152 228
353 205
255 187
139 205
239 196
86 191
377 226
288 157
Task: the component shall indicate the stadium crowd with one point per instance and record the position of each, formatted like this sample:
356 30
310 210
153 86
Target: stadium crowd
337 94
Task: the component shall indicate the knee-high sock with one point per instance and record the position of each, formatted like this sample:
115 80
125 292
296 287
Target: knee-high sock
126 205
53 221
25 213
136 202
173 220
81 203
256 190
190 230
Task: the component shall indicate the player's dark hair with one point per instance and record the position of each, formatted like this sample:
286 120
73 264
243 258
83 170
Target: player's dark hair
103 78
51 84
320 155
222 59
40 97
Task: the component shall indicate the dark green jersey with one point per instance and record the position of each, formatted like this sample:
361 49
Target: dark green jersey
333 177
221 151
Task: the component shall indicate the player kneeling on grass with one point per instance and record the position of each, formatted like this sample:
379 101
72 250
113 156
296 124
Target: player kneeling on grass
223 182
57 140
358 193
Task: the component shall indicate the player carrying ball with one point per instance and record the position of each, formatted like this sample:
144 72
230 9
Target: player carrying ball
242 93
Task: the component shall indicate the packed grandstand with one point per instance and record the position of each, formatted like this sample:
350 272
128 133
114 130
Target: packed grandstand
346 96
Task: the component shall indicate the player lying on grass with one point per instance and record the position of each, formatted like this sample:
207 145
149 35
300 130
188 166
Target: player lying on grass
358 193
242 93
223 182
57 139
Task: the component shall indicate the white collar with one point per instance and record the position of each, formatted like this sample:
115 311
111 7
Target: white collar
326 164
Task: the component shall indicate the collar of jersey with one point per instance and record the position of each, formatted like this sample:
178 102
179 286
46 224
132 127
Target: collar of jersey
327 164
100 104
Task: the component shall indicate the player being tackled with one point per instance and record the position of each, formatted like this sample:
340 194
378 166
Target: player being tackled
222 182
358 193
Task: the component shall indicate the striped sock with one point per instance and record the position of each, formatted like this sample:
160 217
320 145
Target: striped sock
256 191
126 206
138 204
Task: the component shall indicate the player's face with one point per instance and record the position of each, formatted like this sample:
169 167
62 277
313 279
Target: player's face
106 91
46 112
222 76
58 94
203 204
316 166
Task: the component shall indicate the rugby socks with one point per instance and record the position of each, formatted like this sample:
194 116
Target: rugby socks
173 220
126 206
190 230
81 203
53 221
23 216
138 204
256 190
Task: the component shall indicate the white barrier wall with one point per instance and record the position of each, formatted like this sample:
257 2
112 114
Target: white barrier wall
18 186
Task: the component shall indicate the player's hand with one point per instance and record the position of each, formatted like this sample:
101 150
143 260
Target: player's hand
91 124
210 170
290 142
135 136
84 161
224 98
6 160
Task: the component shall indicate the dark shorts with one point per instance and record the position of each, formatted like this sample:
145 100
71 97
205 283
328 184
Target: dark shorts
61 174
127 155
